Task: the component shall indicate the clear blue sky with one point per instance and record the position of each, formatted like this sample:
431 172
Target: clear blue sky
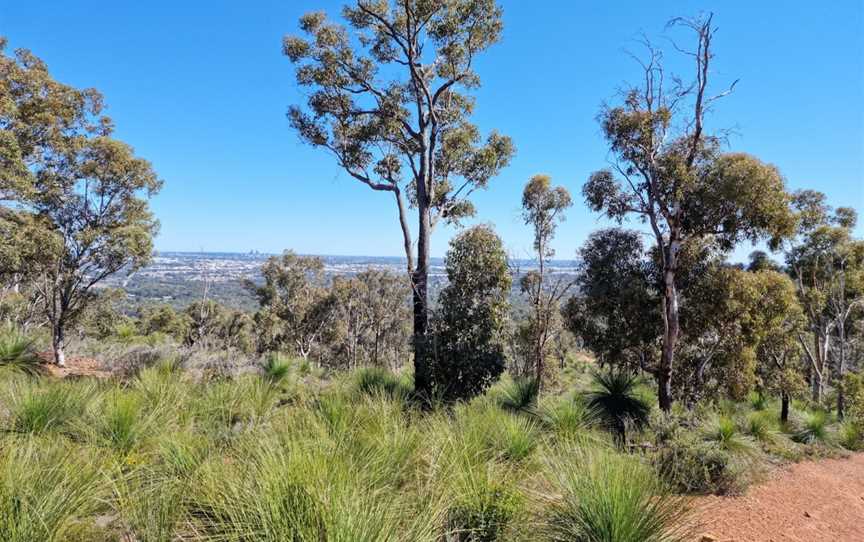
201 89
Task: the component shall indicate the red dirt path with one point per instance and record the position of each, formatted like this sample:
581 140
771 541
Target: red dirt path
813 501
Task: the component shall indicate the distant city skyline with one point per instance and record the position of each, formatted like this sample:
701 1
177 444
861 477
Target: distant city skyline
206 103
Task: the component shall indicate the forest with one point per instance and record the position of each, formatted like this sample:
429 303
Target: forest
502 404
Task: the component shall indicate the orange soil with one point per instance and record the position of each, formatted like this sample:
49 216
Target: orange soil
75 367
814 501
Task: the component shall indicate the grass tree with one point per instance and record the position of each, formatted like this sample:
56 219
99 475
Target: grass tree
393 108
671 173
81 192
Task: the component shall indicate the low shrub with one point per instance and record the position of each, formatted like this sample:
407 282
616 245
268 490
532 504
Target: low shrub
850 436
614 400
484 499
276 368
691 464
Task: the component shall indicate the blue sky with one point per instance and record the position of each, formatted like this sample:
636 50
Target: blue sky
201 88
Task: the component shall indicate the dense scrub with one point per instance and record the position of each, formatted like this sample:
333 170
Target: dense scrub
278 454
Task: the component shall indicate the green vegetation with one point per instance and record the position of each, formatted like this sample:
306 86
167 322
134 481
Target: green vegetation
357 409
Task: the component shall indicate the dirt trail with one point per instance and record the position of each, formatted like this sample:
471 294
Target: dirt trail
812 501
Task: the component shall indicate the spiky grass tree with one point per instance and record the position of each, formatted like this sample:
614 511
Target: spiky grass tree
614 402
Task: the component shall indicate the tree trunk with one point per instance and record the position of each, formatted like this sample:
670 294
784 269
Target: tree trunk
670 337
784 407
419 286
822 348
58 342
841 368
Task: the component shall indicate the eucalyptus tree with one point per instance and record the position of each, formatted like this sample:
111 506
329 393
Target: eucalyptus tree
71 186
297 307
468 342
827 264
389 98
671 173
615 308
543 208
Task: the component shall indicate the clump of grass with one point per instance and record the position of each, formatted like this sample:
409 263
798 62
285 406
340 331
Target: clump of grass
483 496
46 486
257 499
566 417
762 428
758 401
150 505
811 428
375 380
38 407
604 496
276 368
18 353
120 421
723 431
850 436
227 407
519 394
182 452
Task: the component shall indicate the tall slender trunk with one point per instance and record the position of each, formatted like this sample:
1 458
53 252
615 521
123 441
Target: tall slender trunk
419 287
420 278
784 407
671 329
841 367
822 345
58 343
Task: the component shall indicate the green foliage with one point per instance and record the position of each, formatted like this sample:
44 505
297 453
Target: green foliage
121 420
850 436
616 311
614 401
762 428
150 505
296 308
481 489
566 417
608 497
18 353
519 394
723 431
811 428
690 463
371 324
46 486
38 407
468 343
372 381
360 98
853 388
78 195
277 368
